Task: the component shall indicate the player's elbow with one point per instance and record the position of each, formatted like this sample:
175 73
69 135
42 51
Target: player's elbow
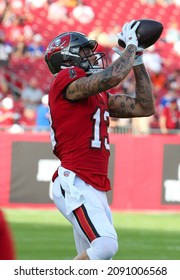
149 111
149 107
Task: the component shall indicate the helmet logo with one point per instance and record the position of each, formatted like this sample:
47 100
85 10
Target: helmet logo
61 42
57 42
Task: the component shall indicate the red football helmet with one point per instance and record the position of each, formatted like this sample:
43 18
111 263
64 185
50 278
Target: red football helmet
64 51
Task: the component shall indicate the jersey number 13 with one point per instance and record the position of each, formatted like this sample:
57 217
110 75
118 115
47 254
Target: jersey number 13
98 118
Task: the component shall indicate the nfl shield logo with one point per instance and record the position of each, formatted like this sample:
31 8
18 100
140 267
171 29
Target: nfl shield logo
66 173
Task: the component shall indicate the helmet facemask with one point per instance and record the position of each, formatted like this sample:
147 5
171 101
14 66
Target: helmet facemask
99 63
72 57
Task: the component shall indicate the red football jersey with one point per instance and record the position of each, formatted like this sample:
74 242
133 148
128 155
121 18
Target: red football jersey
7 250
79 130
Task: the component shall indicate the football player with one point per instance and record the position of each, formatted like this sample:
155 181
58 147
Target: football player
80 107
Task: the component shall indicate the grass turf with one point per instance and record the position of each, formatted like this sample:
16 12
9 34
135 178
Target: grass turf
46 235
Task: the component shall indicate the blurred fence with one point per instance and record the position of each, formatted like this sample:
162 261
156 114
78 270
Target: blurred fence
144 171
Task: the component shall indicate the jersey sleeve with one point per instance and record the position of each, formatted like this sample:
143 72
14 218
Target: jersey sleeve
67 76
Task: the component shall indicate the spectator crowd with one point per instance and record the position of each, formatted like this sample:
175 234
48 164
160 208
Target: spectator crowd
25 106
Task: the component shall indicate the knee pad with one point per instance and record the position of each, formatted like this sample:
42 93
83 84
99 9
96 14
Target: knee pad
102 248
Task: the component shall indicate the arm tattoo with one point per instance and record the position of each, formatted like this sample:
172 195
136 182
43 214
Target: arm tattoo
143 85
123 111
142 105
106 79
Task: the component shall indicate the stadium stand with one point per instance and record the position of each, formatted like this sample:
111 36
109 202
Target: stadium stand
33 20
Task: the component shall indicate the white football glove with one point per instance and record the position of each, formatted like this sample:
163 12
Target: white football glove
138 57
128 34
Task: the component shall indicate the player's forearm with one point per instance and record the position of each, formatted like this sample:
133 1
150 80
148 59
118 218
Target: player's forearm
144 90
104 80
119 69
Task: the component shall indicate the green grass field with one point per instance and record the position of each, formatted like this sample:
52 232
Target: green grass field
46 235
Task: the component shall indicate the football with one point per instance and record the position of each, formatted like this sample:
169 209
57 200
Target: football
148 32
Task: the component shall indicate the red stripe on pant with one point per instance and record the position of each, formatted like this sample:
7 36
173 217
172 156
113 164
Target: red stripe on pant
85 223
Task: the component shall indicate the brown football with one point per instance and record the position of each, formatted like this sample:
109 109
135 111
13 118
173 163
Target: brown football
148 32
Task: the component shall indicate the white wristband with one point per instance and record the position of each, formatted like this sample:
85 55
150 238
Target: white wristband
138 59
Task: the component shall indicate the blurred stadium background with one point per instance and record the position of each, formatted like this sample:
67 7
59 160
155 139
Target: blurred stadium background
150 184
